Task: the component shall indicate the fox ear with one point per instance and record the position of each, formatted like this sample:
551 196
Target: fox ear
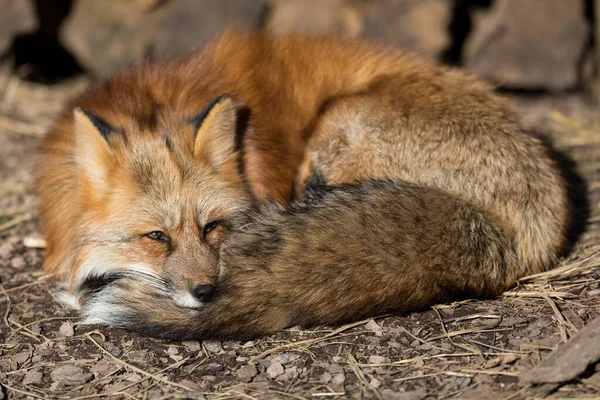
92 149
215 126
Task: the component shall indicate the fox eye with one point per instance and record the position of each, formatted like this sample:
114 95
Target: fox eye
211 226
158 235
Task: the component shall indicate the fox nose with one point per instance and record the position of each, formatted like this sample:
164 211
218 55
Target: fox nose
204 292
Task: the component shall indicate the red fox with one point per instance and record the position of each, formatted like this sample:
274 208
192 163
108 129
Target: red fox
266 182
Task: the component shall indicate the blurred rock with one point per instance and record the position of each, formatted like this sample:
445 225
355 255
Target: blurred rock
246 373
419 26
33 377
17 17
529 44
275 369
188 24
106 35
342 17
70 375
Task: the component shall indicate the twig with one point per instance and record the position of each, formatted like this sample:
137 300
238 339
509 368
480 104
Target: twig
449 373
16 221
21 391
22 128
360 374
36 282
309 342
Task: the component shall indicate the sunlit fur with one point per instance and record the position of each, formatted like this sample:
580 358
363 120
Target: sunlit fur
427 189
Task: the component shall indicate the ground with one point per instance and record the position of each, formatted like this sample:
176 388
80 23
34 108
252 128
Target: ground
470 349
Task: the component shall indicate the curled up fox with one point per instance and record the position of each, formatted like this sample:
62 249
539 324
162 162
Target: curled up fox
265 182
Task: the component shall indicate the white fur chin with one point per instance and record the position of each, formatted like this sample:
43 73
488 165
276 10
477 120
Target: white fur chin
68 299
187 300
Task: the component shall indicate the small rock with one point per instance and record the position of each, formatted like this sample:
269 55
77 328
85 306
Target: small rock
208 378
325 377
192 345
285 358
503 359
336 369
213 346
415 343
112 349
133 377
67 330
463 382
246 373
138 356
374 327
22 357
275 369
291 373
33 377
413 395
176 357
172 350
375 383
18 262
378 360
593 293
338 380
102 368
70 375
242 359
213 367
6 250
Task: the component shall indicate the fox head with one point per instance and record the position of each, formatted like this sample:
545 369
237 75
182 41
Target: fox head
151 206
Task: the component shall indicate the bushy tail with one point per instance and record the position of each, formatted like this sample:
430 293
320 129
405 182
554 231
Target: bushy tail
340 254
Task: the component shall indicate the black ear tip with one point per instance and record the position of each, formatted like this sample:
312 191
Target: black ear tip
102 126
199 118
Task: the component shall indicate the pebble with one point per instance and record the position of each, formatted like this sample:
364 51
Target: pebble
325 377
275 369
6 250
378 360
192 345
374 327
593 293
67 330
33 377
112 349
213 346
336 369
70 375
22 357
18 262
246 373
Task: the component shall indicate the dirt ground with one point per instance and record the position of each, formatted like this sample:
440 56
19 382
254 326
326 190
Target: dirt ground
471 349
